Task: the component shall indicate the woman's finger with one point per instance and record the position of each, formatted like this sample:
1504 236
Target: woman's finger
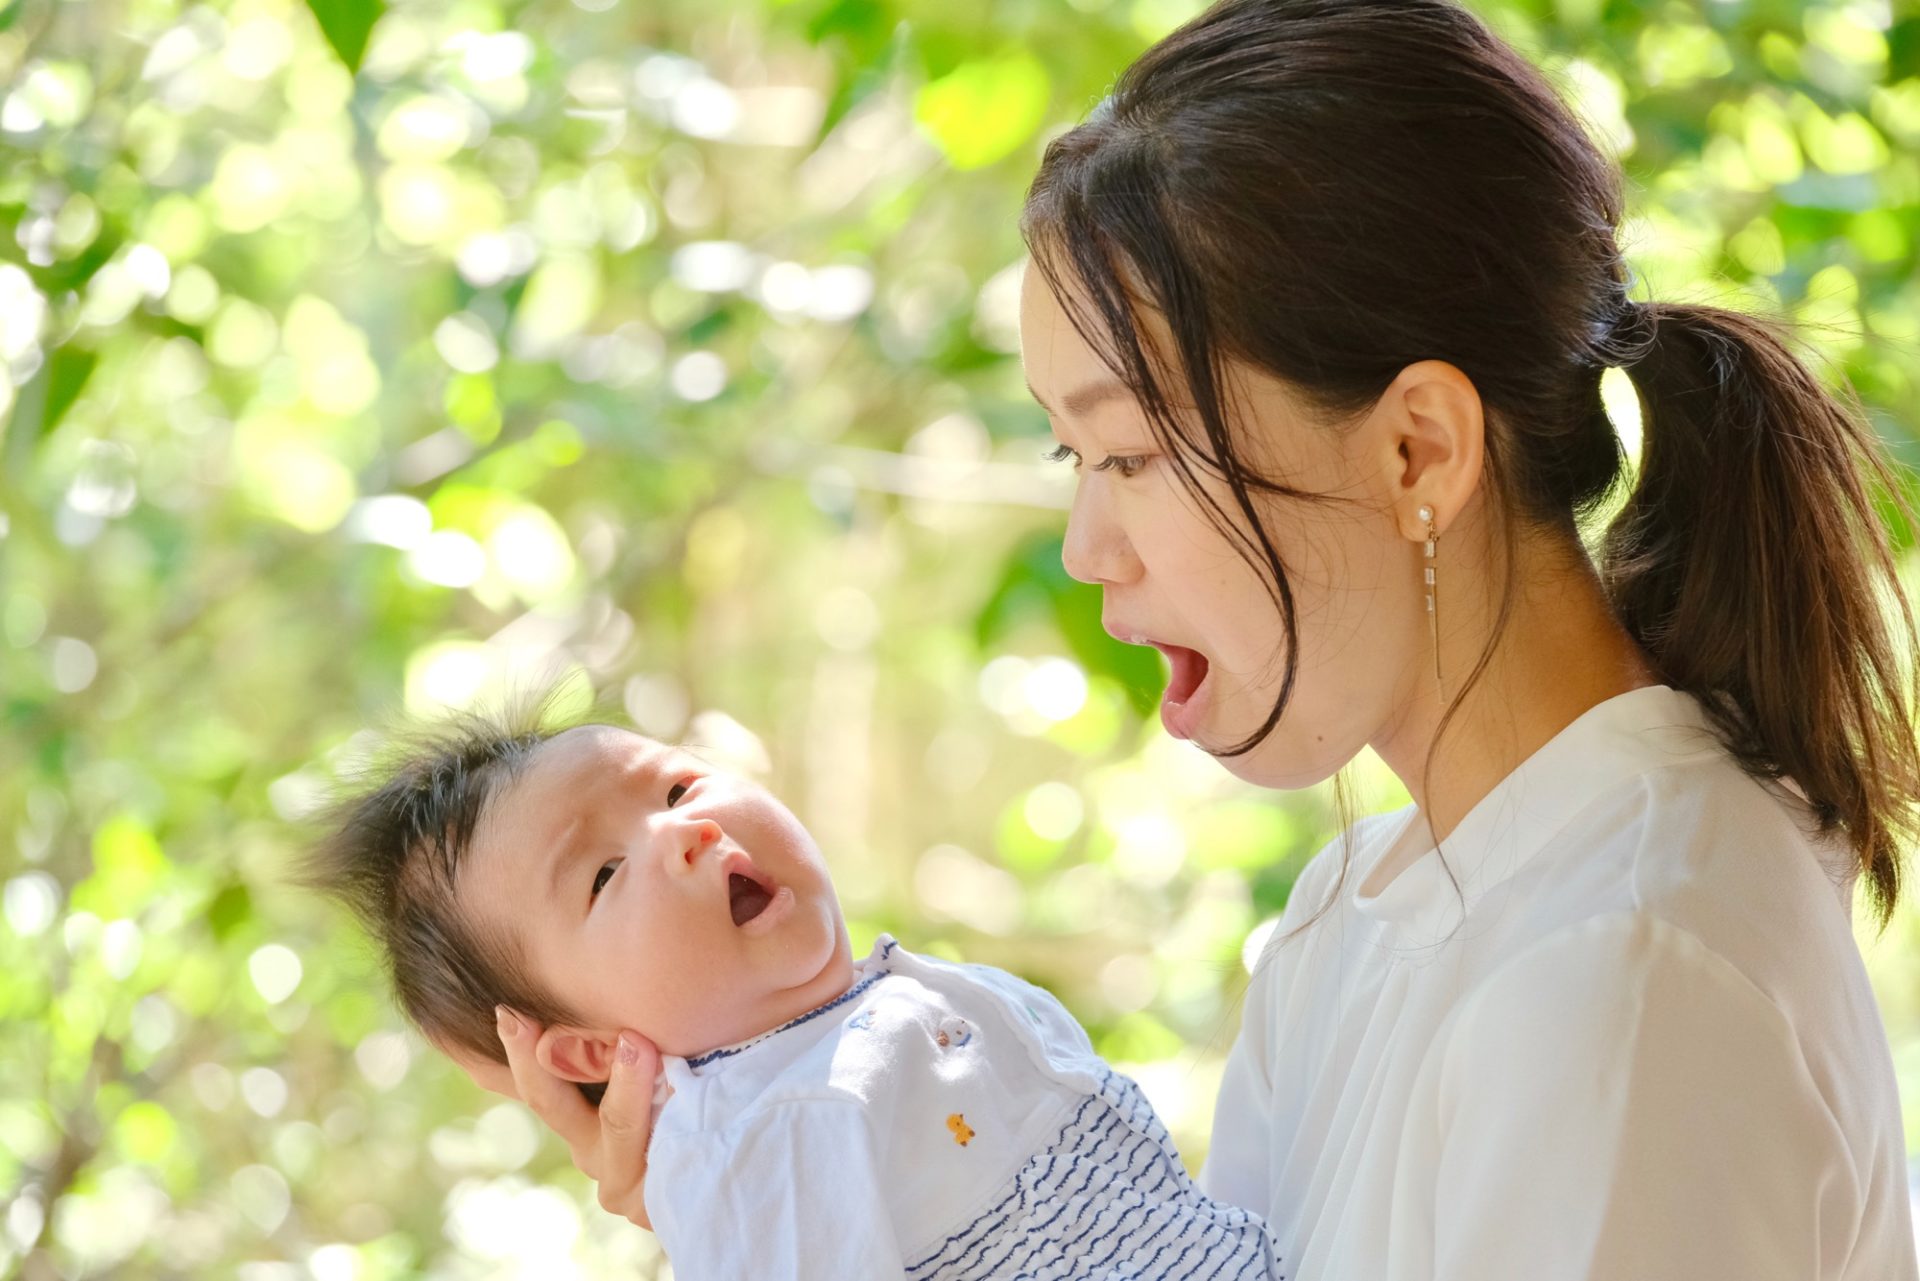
553 1100
626 1126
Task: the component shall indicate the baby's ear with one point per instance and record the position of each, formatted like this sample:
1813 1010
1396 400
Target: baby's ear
575 1056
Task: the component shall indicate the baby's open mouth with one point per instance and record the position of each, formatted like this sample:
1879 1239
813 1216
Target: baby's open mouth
747 897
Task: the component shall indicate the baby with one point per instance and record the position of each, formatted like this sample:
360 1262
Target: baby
818 1116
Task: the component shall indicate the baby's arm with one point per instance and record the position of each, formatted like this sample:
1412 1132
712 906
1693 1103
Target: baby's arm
792 1189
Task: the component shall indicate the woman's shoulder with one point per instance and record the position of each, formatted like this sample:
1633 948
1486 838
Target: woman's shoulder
1710 818
1735 860
1739 863
1702 872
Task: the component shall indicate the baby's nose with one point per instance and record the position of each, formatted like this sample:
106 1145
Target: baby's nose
687 843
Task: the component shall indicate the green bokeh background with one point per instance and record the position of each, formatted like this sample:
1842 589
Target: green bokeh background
669 346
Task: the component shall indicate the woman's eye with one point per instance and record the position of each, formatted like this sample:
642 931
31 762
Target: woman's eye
1126 465
606 872
675 792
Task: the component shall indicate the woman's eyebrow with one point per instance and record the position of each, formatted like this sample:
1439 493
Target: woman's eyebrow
1083 400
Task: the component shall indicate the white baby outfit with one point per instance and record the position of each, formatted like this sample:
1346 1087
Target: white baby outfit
936 1122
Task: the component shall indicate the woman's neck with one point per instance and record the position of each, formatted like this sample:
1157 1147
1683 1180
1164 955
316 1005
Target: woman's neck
1563 653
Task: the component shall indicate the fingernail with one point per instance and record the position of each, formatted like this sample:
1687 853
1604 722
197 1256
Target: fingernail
629 1050
507 1021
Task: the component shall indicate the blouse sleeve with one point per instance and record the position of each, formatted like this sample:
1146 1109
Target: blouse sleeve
793 1192
1240 1150
1238 1154
1621 1101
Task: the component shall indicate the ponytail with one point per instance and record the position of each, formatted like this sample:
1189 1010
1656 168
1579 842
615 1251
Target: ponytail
1749 561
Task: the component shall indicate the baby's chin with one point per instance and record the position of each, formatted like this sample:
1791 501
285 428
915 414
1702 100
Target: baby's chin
807 967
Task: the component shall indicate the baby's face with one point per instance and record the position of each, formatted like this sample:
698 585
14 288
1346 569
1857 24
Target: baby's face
658 893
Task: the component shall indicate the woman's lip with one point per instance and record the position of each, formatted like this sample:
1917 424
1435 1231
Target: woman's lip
1182 719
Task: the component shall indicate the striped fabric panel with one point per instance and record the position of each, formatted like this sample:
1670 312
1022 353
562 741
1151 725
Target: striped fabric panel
1108 1200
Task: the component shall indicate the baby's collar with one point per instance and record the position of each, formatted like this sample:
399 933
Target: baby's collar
873 968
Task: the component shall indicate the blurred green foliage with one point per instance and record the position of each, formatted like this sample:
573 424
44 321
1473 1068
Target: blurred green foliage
671 345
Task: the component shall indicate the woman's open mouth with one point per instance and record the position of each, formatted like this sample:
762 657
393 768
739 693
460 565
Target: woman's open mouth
1181 708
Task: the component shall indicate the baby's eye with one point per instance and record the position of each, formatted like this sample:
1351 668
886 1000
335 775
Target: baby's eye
1060 454
606 872
678 790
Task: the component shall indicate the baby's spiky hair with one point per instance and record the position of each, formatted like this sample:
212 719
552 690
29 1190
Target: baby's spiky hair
391 845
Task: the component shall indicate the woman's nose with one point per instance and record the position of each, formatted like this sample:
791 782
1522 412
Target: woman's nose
687 842
1096 549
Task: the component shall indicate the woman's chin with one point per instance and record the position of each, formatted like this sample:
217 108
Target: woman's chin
1274 763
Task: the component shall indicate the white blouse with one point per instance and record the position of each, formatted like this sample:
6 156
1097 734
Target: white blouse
1650 1051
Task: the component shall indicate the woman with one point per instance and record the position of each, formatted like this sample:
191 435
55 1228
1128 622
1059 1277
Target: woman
1322 298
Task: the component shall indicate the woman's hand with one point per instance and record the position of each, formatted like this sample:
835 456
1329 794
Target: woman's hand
608 1144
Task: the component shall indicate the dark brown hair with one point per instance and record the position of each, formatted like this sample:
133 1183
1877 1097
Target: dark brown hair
392 842
1331 190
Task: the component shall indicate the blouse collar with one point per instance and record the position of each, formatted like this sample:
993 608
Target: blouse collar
1616 739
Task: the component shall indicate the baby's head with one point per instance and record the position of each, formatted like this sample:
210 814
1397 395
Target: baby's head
589 878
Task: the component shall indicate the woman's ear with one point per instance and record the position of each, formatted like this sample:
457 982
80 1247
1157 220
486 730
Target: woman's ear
575 1056
1433 444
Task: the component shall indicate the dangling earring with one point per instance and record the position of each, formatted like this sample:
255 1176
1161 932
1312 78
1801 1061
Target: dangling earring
1433 614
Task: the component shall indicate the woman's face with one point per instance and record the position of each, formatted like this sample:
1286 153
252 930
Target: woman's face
1171 579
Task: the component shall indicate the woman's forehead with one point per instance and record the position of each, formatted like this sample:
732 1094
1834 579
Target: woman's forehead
1058 359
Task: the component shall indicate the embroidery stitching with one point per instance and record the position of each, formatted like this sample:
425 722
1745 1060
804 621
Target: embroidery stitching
728 1052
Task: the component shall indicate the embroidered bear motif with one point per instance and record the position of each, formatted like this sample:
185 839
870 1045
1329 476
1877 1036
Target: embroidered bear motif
952 1032
961 1131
